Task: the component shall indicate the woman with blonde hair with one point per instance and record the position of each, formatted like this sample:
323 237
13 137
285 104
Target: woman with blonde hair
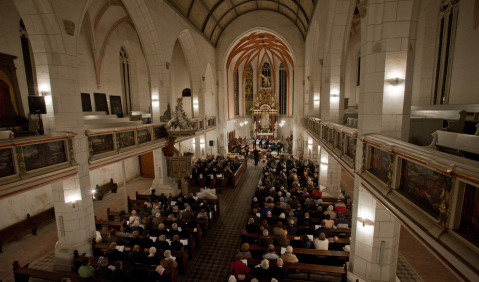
162 244
244 251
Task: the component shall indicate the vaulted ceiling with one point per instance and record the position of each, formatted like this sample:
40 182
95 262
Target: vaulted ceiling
211 17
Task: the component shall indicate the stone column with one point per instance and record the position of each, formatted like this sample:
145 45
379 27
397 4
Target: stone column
197 147
315 152
374 246
75 221
329 175
162 183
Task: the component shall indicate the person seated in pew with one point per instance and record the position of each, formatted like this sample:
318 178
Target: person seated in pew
188 214
156 208
152 258
174 230
157 220
340 206
251 227
233 279
298 212
321 243
316 194
283 240
305 243
331 212
263 269
265 210
306 219
292 230
162 230
169 221
328 221
175 211
180 204
293 218
256 218
278 271
265 240
113 253
282 219
277 210
238 267
125 228
148 204
119 274
153 195
245 238
164 211
282 204
288 256
157 275
342 222
278 230
135 256
176 245
135 238
255 201
162 244
202 214
103 272
269 218
244 251
265 226
287 199
271 254
146 242
318 213
86 270
114 238
335 245
323 229
306 230
137 227
133 216
168 262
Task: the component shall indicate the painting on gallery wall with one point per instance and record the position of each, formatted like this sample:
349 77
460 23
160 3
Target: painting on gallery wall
350 149
144 135
44 154
423 186
86 102
6 163
127 139
469 226
101 104
379 165
101 144
115 106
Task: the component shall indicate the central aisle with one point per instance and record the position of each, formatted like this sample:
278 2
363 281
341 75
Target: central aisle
212 262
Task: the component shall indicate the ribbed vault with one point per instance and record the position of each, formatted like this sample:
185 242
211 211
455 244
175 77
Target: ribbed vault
211 17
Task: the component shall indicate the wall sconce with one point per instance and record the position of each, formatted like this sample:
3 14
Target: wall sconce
245 122
44 93
316 101
241 124
335 95
396 81
155 100
365 221
323 163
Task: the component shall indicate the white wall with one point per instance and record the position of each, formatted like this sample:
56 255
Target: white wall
180 79
103 174
16 207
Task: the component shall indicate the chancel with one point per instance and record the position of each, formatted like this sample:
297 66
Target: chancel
212 140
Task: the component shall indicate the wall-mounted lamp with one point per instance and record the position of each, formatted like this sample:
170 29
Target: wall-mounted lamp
246 122
323 163
365 221
155 100
44 93
334 95
241 124
396 81
316 101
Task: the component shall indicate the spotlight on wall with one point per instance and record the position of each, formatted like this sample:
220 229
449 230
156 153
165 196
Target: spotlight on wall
245 122
365 221
155 100
396 81
316 101
44 93
323 163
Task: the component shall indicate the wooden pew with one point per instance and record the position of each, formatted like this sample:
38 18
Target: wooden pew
17 230
293 237
103 247
239 173
306 268
23 274
191 240
326 253
100 191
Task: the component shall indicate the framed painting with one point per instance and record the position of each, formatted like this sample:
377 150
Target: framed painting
379 164
6 163
44 154
144 135
100 103
423 186
126 139
115 106
351 146
159 133
86 102
101 144
11 107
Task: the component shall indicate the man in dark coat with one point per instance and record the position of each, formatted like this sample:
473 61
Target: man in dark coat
256 156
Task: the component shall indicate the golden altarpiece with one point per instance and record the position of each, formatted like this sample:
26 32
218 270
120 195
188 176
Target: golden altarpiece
264 110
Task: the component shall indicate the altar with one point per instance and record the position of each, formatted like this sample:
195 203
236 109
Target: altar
264 111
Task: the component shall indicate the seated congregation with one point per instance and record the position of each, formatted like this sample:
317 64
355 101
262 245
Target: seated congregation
292 230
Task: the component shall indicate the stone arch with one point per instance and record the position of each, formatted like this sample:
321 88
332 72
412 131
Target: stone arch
189 49
210 92
315 73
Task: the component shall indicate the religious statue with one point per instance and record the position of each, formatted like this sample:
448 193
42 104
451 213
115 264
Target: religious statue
254 126
266 81
276 126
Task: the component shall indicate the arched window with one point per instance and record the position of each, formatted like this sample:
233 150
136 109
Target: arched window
27 60
248 90
266 71
125 80
445 50
283 90
236 84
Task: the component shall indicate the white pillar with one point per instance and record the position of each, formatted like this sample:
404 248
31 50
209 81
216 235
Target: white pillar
124 184
329 175
75 221
374 248
162 183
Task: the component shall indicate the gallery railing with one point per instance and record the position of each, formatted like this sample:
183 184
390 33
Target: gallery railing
23 158
442 187
106 142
